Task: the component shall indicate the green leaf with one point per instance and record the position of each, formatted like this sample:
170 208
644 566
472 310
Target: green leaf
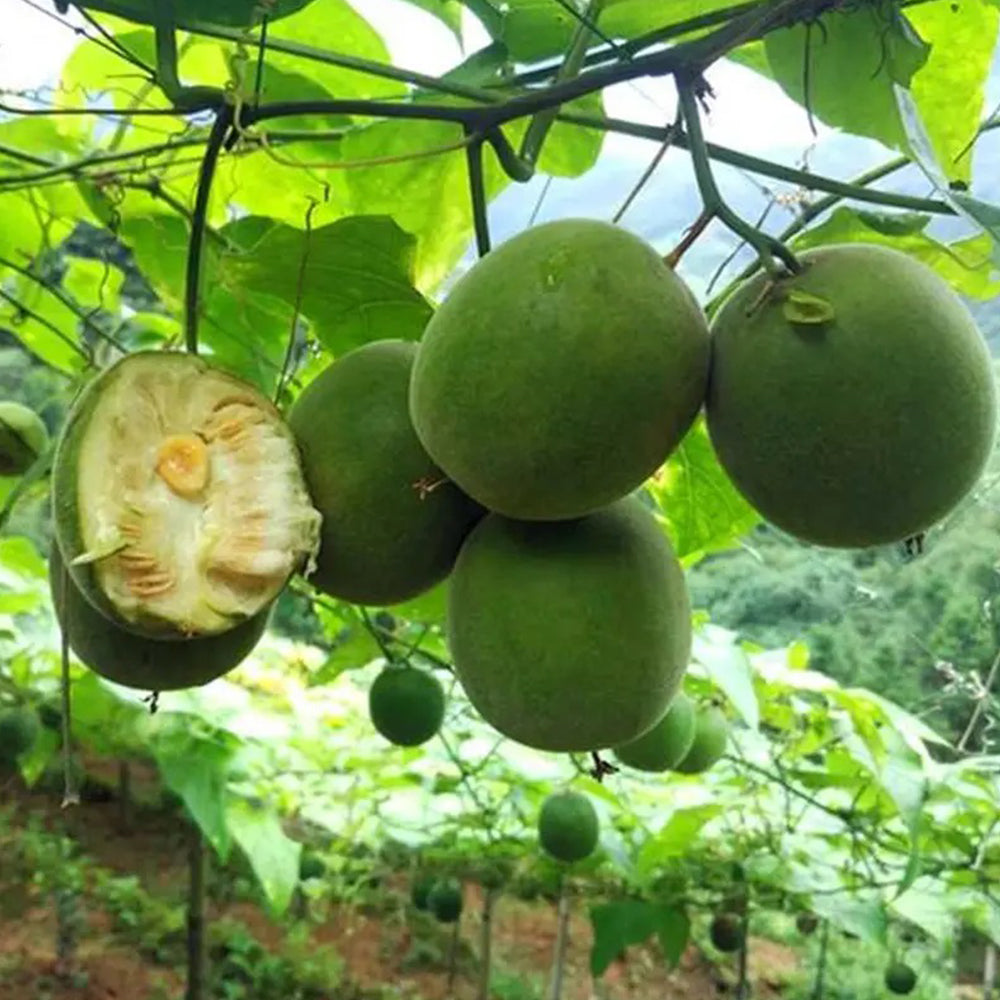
316 27
852 912
926 904
357 650
949 89
353 279
806 309
273 855
620 925
630 18
728 667
194 768
966 264
675 838
448 11
44 324
674 933
856 58
701 508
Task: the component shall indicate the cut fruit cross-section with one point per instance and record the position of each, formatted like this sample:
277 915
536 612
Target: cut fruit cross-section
180 505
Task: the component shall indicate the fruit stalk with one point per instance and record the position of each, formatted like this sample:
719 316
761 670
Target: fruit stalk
538 129
199 221
767 246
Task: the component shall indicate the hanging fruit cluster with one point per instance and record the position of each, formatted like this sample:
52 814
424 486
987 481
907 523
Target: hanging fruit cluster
851 402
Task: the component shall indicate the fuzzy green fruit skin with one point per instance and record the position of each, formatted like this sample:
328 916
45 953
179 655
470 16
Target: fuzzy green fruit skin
863 430
711 734
406 705
560 372
567 826
135 661
381 541
726 932
311 866
573 635
23 437
19 729
445 901
900 978
420 891
231 13
667 743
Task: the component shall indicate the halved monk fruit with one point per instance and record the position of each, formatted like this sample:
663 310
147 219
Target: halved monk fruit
179 503
392 521
139 662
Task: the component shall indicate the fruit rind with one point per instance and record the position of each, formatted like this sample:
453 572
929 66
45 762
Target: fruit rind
23 437
709 744
560 371
445 900
19 729
568 827
726 932
863 430
667 743
900 978
570 636
392 522
136 661
406 705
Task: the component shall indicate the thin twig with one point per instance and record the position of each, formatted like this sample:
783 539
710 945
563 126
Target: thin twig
648 172
695 230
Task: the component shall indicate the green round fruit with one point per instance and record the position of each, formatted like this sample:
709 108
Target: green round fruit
806 923
392 523
866 428
311 865
711 734
18 731
445 900
406 705
420 891
178 501
571 635
135 661
667 743
23 437
567 826
726 932
560 371
900 978
230 13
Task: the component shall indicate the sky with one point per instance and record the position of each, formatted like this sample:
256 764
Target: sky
34 45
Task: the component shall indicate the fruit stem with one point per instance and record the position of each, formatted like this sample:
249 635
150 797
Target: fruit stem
199 221
538 128
186 99
477 191
767 247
